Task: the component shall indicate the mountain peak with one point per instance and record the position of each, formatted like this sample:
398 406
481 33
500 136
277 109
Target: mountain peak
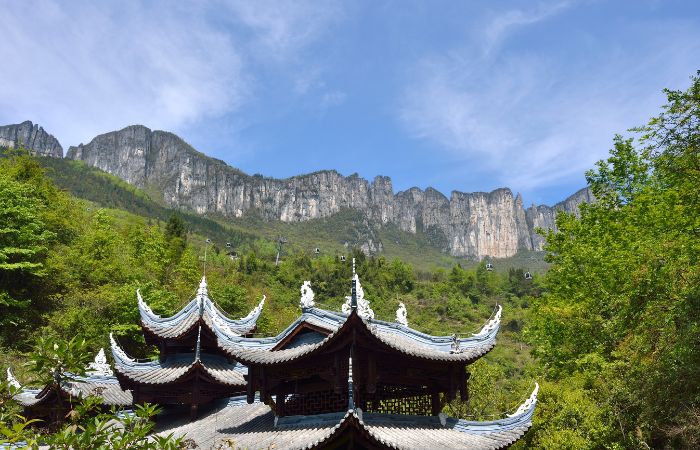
31 137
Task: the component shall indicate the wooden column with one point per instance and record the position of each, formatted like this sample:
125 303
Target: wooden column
263 386
250 392
463 384
194 399
280 401
454 382
435 402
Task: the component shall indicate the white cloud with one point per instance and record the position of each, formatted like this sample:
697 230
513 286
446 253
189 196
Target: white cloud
284 27
503 23
332 98
81 68
533 119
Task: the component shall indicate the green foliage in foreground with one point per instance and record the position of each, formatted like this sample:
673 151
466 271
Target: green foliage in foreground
620 324
87 425
89 428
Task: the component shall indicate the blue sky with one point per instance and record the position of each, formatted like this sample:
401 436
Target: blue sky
466 95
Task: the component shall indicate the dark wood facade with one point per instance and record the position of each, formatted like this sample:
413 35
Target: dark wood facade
385 380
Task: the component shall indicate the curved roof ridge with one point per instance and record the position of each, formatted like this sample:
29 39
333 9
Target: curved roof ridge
262 353
442 343
120 356
237 326
192 312
329 320
151 318
523 415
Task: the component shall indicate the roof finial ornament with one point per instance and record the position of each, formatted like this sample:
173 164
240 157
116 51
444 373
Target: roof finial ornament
351 400
527 404
357 301
206 247
491 325
402 315
455 344
202 291
307 296
353 293
12 381
100 366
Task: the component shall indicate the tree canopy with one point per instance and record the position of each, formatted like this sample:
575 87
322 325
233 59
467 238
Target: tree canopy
621 315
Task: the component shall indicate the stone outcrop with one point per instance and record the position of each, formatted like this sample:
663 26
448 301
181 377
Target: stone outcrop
31 137
472 225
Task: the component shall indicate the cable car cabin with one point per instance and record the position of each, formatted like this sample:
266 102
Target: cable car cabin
342 258
528 276
317 250
489 267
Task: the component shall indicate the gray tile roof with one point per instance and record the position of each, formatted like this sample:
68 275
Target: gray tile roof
253 426
200 309
177 367
398 337
102 386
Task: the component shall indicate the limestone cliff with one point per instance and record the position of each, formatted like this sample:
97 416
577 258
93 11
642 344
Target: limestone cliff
467 224
31 137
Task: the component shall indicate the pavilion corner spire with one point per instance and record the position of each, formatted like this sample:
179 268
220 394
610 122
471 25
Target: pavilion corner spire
11 380
203 291
357 301
529 404
353 294
351 399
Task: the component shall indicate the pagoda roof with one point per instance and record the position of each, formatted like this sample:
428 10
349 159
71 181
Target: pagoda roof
201 307
255 426
106 388
177 367
99 381
390 336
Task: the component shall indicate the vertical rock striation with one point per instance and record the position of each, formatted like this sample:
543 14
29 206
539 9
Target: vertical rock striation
31 137
472 225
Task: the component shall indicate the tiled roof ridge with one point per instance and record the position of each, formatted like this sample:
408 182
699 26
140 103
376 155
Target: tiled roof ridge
193 313
394 336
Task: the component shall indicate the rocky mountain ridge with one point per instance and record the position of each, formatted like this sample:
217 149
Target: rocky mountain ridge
471 225
32 137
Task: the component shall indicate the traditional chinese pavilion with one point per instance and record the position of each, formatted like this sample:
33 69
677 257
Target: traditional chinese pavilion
192 368
52 401
331 379
347 380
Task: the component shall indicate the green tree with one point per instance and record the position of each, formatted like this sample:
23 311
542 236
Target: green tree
623 302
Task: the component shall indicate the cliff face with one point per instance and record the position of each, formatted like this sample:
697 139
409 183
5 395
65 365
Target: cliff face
467 224
31 137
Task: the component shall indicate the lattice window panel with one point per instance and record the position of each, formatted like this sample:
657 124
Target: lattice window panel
397 400
316 403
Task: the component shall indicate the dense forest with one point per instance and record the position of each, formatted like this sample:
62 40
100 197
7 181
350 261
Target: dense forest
611 332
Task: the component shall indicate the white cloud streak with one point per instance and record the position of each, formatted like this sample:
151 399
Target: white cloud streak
498 28
531 121
81 68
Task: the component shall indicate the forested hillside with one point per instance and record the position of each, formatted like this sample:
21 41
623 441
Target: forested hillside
611 332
